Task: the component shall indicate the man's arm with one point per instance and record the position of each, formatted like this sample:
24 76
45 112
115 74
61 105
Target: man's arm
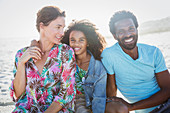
111 88
163 79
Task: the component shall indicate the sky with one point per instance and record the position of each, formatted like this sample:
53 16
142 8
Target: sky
18 17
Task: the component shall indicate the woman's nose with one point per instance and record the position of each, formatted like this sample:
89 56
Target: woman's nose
62 32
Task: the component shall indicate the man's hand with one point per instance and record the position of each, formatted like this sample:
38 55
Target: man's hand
114 98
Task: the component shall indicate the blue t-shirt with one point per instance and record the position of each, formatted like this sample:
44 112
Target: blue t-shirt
135 78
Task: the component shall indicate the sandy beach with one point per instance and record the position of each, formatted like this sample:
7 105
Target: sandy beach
9 46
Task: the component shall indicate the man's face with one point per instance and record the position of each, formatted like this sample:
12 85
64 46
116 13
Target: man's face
126 34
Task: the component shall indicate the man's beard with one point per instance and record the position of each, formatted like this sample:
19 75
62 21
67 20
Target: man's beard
123 44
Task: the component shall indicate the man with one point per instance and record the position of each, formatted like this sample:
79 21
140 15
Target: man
139 70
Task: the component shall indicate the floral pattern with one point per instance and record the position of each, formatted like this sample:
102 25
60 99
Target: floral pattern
80 73
56 83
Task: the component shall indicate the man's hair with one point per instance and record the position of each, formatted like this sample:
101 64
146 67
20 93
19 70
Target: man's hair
120 15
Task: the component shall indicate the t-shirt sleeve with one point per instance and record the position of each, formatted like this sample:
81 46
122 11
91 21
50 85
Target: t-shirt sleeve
108 62
159 61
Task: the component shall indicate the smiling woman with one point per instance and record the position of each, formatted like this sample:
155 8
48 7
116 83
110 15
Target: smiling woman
44 77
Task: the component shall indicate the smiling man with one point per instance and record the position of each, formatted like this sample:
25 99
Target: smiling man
137 70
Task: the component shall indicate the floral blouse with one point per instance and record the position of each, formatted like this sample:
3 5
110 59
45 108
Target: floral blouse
56 83
80 78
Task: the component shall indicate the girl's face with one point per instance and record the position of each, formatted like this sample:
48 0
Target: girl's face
55 30
78 42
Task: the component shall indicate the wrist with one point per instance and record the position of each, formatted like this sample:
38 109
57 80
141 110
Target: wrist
20 63
131 107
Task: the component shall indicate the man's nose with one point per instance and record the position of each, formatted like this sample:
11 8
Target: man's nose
127 34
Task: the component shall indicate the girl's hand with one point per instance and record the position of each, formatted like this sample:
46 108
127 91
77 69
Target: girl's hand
35 43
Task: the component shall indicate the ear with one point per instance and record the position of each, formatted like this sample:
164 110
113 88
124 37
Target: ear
115 37
41 26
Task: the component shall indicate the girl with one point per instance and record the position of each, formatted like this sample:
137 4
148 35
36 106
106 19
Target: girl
90 75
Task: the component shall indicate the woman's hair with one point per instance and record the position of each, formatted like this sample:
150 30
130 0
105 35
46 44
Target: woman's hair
48 14
95 41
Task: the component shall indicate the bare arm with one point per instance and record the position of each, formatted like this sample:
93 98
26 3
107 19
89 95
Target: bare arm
111 88
20 80
20 77
163 79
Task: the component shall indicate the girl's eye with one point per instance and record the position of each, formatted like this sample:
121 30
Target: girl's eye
72 40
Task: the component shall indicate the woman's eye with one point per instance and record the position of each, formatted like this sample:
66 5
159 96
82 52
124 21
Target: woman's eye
58 27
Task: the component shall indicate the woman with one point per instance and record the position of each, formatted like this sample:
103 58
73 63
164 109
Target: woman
91 76
47 83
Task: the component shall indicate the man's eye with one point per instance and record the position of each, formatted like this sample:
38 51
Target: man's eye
120 32
132 29
81 40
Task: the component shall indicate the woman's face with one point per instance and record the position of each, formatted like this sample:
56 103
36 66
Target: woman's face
78 42
55 30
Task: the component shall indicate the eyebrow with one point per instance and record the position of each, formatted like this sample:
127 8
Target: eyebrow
83 37
80 37
59 25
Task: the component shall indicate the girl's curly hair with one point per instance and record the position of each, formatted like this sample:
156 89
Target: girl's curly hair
95 40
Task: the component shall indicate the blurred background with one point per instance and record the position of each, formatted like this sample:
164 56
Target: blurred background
18 20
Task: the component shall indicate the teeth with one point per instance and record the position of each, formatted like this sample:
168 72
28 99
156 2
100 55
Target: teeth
129 40
76 49
58 37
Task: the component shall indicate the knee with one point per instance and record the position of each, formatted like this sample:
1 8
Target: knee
116 107
122 109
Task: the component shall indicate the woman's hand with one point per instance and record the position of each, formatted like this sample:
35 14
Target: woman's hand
31 52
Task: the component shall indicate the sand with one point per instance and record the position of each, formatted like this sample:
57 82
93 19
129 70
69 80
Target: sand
9 46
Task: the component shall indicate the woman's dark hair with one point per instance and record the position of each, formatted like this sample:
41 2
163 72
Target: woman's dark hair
48 14
120 15
96 42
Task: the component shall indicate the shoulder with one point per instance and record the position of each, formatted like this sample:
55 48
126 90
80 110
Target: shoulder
148 48
66 48
111 49
21 51
63 49
111 52
99 66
